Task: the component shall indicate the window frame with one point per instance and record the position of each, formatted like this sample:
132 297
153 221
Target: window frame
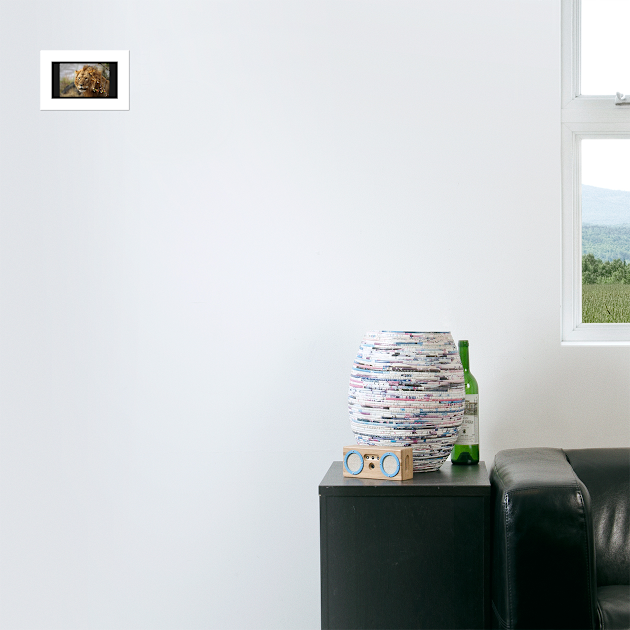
582 117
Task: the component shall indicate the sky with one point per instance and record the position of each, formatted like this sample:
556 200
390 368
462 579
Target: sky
605 70
605 51
606 163
605 63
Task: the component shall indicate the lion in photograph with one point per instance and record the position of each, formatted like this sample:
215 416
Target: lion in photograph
91 82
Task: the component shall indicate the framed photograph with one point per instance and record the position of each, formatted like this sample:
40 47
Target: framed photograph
84 79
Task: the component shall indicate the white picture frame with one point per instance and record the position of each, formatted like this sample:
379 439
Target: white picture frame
48 57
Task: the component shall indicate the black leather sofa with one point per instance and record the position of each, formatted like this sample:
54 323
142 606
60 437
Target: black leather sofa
561 540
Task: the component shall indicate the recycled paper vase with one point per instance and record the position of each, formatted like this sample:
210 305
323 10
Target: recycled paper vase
407 389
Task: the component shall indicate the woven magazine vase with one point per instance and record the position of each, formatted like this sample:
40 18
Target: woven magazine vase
407 389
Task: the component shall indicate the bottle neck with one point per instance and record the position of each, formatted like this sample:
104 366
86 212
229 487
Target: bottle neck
463 353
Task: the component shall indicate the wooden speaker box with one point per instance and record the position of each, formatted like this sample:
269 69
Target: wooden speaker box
375 462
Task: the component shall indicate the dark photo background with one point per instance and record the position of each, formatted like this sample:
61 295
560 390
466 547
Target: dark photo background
63 77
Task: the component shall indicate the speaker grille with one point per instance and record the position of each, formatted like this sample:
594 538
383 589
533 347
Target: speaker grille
390 464
354 463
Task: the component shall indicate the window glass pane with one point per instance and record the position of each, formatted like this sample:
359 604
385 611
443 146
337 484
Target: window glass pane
605 51
605 231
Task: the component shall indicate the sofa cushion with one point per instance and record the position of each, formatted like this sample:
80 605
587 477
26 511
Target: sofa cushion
613 606
606 474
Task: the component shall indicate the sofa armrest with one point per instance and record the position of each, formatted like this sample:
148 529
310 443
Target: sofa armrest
543 572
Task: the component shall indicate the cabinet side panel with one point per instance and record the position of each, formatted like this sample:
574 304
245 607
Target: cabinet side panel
323 559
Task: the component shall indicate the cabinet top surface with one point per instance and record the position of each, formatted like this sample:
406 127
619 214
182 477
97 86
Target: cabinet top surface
449 480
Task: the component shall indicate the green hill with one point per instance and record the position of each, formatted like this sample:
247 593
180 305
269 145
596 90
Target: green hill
601 206
606 242
605 223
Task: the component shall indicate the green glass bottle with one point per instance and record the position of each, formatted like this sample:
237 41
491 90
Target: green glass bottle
466 449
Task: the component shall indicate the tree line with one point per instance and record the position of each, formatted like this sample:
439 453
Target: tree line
597 271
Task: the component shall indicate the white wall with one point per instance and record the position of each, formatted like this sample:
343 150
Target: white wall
183 286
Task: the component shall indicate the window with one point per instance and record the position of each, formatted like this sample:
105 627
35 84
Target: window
595 172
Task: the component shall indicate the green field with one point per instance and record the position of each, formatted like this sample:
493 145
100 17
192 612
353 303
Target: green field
605 303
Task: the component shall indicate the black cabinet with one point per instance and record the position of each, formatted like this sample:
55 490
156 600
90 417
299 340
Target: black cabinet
406 554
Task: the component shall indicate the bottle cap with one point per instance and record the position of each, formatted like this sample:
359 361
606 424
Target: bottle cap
463 342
